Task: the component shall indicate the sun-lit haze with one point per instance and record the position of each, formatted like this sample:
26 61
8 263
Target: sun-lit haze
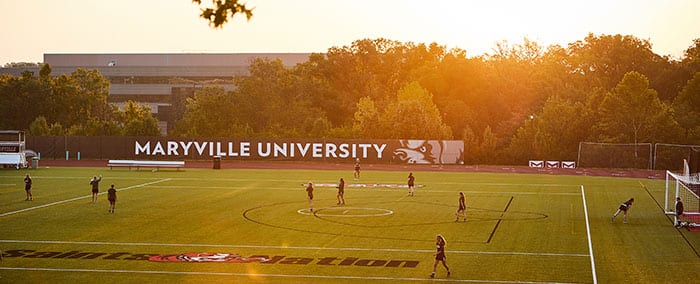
32 28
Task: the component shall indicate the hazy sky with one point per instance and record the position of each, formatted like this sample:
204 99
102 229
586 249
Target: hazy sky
30 28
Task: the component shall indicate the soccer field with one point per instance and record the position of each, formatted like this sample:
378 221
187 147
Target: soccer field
255 227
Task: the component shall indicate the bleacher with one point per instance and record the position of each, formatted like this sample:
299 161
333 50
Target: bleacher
145 164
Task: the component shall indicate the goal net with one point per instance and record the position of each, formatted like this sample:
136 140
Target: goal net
685 185
669 156
615 155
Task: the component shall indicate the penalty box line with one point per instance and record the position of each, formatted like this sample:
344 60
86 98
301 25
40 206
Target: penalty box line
78 198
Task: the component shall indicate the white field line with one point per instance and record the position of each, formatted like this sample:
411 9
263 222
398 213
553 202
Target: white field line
78 198
297 181
262 275
368 190
295 248
588 232
74 177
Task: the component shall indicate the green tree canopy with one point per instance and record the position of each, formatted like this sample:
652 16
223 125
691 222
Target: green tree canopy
412 115
686 108
210 114
633 113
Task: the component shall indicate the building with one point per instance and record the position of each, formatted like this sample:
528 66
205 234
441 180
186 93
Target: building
159 80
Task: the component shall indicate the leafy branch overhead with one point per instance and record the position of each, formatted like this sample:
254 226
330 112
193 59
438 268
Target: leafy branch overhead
223 10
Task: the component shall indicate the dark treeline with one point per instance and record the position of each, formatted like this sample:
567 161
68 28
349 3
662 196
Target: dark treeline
522 101
74 105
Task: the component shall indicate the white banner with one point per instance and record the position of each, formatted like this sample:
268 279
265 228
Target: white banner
536 164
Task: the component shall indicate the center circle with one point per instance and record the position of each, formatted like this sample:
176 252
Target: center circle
347 212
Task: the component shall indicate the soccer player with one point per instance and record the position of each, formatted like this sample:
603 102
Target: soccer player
462 209
310 193
357 169
411 185
440 255
95 183
341 192
112 197
679 211
28 187
623 208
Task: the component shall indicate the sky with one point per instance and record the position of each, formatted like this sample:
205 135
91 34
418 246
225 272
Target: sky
31 28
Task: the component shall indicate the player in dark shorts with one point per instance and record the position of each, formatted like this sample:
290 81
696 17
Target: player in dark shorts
411 184
357 169
679 211
112 197
440 255
310 192
462 208
28 187
95 183
623 208
341 192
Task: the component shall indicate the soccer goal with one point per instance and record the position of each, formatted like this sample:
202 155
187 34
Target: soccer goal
615 155
685 185
669 156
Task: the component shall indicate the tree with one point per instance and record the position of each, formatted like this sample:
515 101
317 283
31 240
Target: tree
93 89
366 123
39 127
691 58
515 86
222 11
275 101
602 61
686 109
370 68
137 120
210 114
413 115
22 99
632 112
554 133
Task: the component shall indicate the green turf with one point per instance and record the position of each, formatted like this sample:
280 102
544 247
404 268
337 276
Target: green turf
521 228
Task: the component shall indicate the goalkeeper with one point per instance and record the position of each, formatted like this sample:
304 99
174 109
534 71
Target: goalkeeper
679 211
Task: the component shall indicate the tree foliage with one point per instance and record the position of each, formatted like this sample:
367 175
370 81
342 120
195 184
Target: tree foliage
686 108
74 104
413 115
222 10
633 112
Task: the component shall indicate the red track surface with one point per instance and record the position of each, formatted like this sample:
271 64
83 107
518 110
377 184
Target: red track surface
382 167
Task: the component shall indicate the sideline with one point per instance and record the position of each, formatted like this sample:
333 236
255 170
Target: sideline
588 233
296 248
254 275
78 198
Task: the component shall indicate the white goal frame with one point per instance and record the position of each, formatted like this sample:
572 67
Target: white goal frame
675 187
